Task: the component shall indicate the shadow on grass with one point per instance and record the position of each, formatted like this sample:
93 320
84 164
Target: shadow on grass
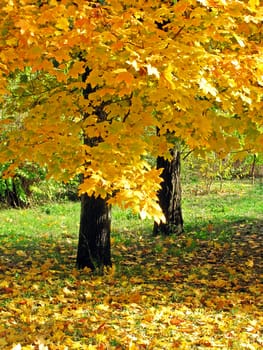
134 251
185 291
238 240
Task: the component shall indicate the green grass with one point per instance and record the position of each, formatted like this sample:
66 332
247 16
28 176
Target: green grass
215 216
39 223
201 289
212 216
238 202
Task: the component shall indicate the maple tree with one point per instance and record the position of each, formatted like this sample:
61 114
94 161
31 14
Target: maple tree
192 69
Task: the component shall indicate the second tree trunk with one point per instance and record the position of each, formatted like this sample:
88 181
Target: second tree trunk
170 196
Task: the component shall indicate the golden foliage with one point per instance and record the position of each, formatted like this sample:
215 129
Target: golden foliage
190 68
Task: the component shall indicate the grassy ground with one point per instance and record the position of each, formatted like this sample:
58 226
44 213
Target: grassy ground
200 290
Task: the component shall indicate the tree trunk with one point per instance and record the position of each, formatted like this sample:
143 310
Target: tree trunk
253 168
170 196
94 249
94 233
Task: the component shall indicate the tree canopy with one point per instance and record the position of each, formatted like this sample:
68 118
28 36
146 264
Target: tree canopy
192 69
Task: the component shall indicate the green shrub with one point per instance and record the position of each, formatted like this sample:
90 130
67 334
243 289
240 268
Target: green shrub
29 186
16 191
54 191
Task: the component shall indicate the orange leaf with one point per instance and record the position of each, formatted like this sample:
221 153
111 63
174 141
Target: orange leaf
126 77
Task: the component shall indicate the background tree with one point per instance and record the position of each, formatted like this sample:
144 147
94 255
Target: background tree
201 81
170 195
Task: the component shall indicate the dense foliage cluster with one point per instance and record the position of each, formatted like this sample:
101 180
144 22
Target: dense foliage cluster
112 72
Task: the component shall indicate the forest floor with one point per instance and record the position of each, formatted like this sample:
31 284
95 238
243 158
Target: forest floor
200 290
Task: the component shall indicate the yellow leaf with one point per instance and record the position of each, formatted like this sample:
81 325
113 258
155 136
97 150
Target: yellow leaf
77 69
4 284
219 283
249 263
102 307
62 23
16 347
207 87
254 3
133 346
239 40
168 74
11 41
21 253
126 77
152 71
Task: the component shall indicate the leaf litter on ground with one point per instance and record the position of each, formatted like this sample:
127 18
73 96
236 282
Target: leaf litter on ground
161 293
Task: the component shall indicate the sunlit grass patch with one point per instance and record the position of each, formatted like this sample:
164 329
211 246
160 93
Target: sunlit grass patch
199 290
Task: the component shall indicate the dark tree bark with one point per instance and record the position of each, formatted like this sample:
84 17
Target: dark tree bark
94 233
94 249
170 196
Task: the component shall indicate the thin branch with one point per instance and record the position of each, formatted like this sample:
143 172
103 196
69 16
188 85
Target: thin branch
178 32
188 154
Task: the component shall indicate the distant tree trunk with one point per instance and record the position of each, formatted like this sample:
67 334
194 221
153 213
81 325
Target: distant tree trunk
94 233
170 196
253 168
